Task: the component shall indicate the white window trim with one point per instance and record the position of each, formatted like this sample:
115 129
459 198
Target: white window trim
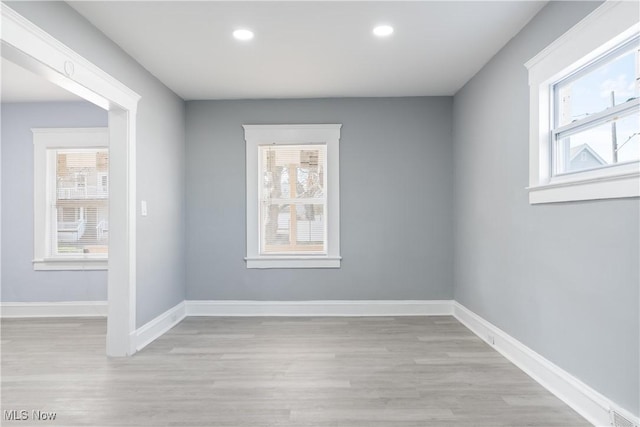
590 38
50 138
256 135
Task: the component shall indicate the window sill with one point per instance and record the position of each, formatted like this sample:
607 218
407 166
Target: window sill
293 262
70 264
604 187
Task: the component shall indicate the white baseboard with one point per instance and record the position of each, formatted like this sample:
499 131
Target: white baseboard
53 309
156 327
320 308
587 402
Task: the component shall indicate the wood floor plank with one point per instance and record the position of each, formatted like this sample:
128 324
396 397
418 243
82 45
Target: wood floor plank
272 372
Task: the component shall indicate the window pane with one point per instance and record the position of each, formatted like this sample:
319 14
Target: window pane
293 227
609 143
306 166
610 83
81 215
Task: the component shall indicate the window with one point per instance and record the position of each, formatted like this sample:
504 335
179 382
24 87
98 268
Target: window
584 96
71 199
293 196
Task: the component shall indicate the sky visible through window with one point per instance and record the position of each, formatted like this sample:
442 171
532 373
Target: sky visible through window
592 93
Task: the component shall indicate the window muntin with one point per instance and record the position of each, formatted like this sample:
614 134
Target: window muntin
595 122
293 215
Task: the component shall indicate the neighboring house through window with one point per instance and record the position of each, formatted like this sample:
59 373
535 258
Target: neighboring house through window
585 130
292 196
71 226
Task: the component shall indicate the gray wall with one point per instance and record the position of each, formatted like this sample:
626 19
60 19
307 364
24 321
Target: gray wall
561 278
20 283
395 191
160 151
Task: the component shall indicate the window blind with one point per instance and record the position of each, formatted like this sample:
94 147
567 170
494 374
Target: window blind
79 220
293 202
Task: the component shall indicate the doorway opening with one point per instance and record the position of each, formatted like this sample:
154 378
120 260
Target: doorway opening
29 47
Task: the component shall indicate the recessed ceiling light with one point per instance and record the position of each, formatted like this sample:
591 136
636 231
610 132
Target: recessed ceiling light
243 34
383 30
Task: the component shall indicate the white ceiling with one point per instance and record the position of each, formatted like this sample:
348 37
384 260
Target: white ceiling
20 85
310 49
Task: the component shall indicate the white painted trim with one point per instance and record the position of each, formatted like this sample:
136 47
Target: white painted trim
58 264
564 45
25 44
614 22
293 262
121 284
60 64
257 135
53 309
291 134
158 326
607 187
587 402
320 308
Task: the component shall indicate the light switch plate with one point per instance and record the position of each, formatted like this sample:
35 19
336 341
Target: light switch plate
143 207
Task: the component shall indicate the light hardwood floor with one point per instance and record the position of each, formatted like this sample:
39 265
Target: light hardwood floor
338 372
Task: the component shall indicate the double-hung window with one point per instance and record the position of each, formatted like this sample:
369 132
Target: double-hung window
71 188
292 196
585 105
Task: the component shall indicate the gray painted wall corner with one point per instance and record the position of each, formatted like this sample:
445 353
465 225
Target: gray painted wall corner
559 278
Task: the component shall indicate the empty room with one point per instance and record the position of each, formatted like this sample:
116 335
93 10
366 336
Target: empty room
320 213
